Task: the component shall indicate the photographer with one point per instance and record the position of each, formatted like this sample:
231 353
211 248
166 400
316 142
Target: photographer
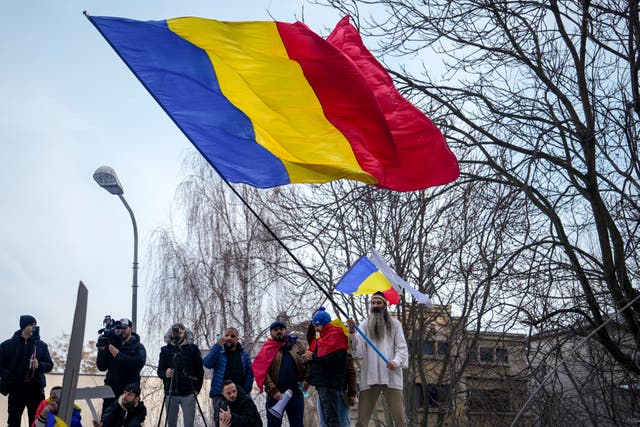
122 356
24 359
236 409
181 370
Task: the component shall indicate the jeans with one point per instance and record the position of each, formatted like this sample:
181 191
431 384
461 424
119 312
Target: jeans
344 412
188 405
329 400
294 411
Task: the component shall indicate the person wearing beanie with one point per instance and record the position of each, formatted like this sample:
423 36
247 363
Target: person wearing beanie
376 376
24 359
277 368
327 356
127 411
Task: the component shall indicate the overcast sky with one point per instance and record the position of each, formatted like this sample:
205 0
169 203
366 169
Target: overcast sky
69 105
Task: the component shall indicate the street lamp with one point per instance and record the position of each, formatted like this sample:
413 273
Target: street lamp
106 178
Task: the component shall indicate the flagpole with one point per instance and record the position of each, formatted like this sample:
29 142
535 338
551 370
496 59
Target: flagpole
300 264
372 345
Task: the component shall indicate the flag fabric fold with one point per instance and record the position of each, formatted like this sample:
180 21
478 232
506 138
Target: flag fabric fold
369 275
272 103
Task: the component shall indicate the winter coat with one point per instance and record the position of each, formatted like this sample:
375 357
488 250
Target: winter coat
374 370
124 369
217 360
185 360
116 416
15 355
244 412
273 374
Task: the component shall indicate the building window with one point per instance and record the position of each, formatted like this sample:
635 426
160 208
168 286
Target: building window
443 348
473 354
486 354
502 355
436 398
428 348
489 401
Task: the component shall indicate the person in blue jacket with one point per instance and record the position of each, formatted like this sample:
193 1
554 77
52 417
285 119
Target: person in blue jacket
229 361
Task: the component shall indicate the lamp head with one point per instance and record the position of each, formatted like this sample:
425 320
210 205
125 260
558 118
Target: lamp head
106 178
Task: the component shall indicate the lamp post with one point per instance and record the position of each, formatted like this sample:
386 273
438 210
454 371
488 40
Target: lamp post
106 178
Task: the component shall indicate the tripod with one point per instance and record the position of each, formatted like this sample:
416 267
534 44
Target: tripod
177 355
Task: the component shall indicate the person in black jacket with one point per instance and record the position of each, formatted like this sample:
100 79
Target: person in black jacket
127 411
327 355
24 359
181 370
237 409
124 362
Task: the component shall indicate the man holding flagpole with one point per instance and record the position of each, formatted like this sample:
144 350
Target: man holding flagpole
378 376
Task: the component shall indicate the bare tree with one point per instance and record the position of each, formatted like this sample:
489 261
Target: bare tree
443 241
547 96
219 266
59 348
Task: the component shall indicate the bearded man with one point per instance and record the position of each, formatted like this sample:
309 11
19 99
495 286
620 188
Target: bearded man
229 361
376 376
278 369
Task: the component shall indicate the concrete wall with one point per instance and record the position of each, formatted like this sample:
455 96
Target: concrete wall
152 395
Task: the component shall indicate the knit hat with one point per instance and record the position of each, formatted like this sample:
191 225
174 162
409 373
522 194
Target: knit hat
381 296
26 320
321 317
277 324
133 388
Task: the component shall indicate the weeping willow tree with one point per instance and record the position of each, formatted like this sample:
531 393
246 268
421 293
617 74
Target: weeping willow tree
218 266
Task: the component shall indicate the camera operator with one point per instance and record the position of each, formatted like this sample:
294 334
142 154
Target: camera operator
236 409
24 359
181 370
127 411
123 358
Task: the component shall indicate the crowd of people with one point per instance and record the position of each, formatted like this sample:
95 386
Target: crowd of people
284 368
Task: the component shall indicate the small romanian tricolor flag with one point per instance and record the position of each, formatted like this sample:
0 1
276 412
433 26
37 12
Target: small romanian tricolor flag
369 275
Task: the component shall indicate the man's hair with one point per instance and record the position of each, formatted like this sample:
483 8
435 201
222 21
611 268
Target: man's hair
232 329
227 382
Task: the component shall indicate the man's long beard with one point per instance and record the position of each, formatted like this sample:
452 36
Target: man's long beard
379 324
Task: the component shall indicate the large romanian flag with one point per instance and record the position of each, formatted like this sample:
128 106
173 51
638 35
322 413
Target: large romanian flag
271 103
